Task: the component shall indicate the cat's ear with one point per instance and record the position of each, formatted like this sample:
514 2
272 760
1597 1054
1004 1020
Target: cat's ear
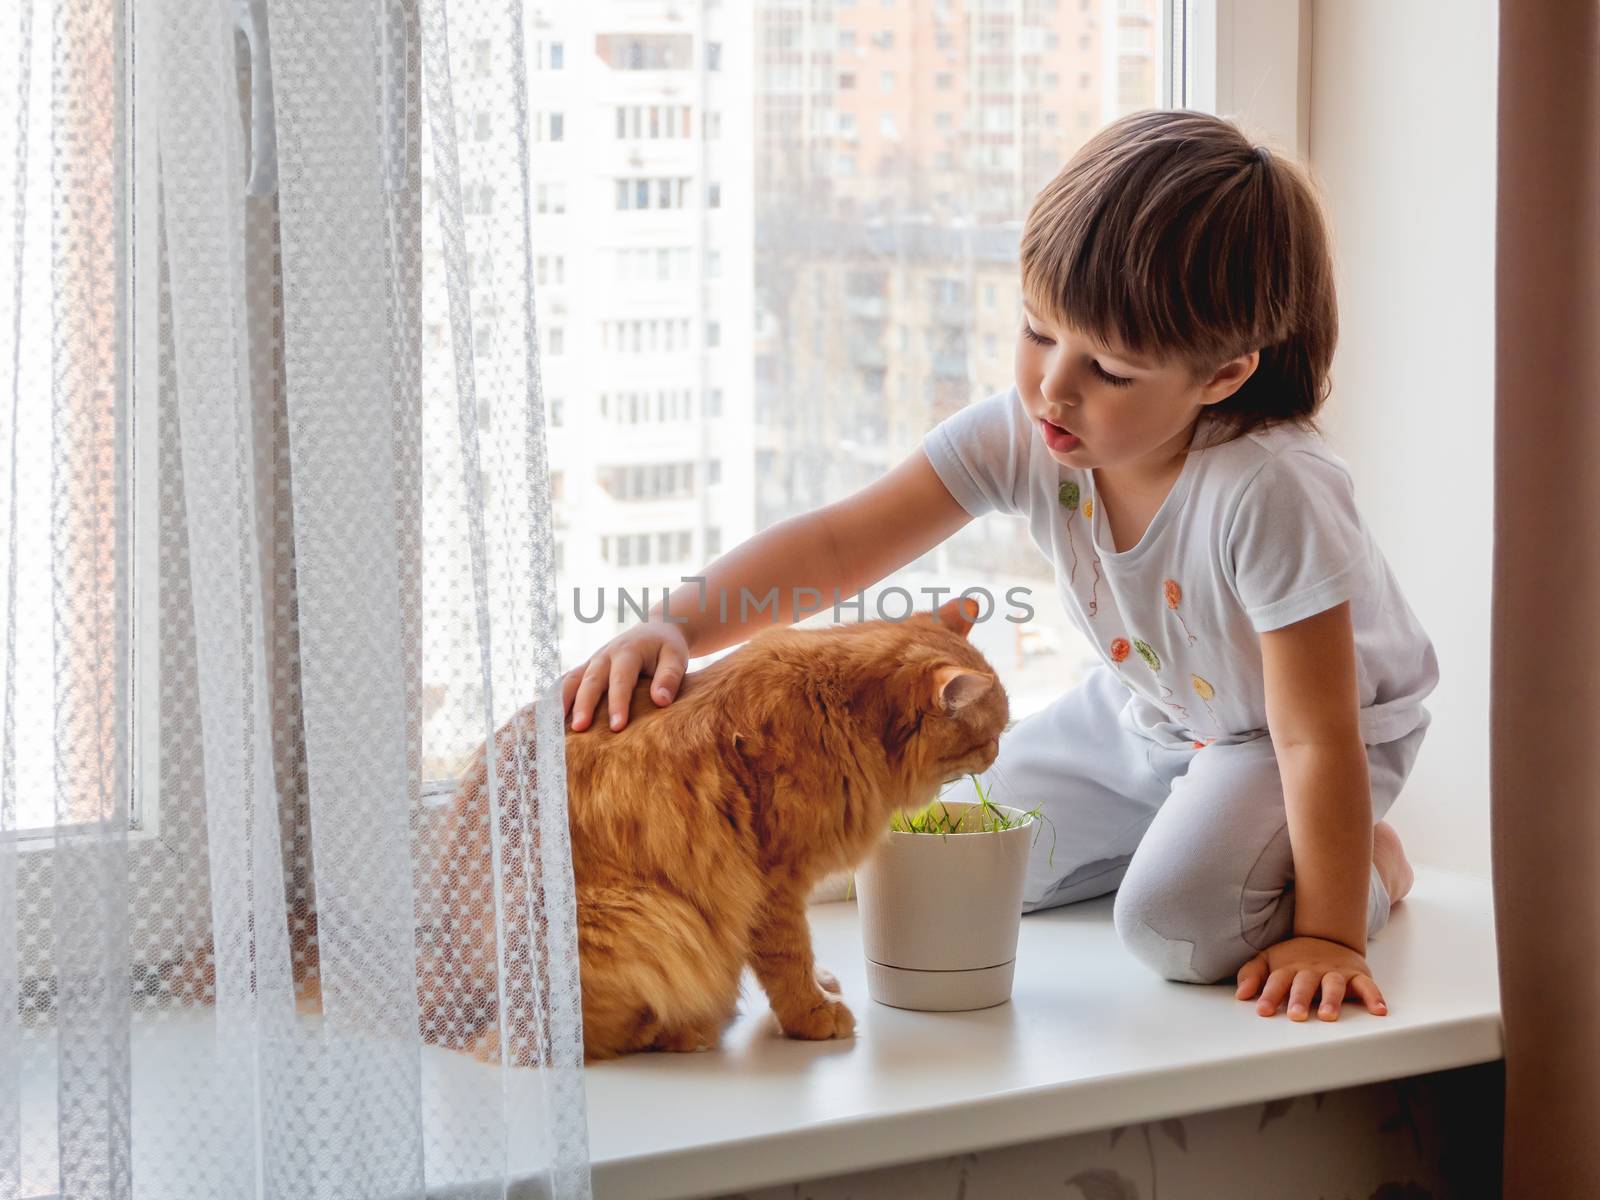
958 614
956 687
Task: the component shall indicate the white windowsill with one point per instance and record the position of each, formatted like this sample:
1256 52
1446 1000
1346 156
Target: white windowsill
1090 1040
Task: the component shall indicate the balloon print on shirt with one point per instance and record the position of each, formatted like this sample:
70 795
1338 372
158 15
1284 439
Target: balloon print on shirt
1207 694
1068 495
1174 597
1151 660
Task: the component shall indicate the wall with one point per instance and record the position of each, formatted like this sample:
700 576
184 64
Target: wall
1402 137
1410 1139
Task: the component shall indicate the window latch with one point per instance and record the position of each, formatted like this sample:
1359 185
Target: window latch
250 18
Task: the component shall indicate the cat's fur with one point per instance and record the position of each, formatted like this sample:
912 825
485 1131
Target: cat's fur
699 829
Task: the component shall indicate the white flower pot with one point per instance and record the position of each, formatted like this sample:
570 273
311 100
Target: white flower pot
939 915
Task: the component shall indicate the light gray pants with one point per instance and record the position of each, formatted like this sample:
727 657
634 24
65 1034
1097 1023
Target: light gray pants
1195 842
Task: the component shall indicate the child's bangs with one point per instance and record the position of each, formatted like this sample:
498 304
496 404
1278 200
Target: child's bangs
1127 299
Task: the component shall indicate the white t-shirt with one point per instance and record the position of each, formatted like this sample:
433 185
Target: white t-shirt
1255 534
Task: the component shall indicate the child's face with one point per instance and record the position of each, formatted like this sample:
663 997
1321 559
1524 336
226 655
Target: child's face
1096 406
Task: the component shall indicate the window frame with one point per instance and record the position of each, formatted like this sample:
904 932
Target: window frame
138 225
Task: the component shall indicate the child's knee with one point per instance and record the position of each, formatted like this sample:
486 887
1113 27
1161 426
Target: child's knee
1177 938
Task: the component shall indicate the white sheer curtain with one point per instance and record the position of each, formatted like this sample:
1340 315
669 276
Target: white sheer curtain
272 568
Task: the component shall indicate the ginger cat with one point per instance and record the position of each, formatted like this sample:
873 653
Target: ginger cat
699 829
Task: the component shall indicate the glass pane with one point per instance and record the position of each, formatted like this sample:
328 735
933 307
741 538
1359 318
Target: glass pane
792 250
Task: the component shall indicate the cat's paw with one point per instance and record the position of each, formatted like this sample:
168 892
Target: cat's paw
829 1018
827 980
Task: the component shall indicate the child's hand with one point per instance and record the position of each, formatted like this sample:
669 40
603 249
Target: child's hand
658 647
1301 967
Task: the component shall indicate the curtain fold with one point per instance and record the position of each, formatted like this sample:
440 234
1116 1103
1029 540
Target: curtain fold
1545 660
273 569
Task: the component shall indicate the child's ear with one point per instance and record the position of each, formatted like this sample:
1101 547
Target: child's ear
1229 377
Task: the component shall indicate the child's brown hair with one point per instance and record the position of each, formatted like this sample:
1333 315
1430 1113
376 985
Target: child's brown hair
1169 234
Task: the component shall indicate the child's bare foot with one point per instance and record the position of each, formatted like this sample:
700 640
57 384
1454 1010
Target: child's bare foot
1389 856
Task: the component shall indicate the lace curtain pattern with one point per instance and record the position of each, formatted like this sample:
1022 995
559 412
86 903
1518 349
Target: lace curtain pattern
272 569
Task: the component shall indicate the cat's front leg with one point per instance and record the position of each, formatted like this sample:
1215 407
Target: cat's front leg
780 954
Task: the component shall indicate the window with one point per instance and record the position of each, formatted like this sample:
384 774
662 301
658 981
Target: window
558 127
645 52
637 194
558 341
558 56
701 337
647 482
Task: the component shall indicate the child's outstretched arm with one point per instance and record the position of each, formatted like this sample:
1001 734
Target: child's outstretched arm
847 545
1313 716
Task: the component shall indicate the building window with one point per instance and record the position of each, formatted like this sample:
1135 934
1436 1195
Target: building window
558 127
713 56
713 195
713 542
558 56
558 341
637 193
646 52
847 81
713 334
886 81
